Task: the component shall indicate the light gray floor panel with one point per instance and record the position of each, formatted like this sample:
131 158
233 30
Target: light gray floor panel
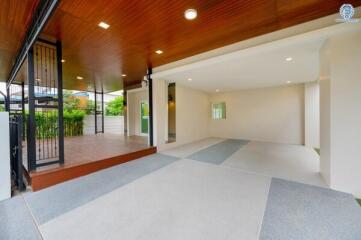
286 161
59 199
185 200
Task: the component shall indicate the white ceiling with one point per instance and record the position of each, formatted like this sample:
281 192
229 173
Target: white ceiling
259 66
254 70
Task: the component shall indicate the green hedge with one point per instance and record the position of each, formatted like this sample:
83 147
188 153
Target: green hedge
73 123
47 123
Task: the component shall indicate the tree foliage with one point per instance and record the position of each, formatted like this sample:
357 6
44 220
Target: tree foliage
115 107
90 107
70 102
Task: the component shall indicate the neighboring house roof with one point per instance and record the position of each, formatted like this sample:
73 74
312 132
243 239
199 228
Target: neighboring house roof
81 94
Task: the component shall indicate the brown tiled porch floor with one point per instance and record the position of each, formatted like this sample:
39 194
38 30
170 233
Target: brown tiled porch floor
88 148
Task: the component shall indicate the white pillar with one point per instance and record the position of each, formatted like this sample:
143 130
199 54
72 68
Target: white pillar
5 181
312 115
340 86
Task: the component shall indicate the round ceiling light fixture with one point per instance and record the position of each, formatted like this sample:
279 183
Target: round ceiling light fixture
190 14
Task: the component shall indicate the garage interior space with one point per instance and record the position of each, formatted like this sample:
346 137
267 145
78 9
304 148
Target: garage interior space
267 95
235 120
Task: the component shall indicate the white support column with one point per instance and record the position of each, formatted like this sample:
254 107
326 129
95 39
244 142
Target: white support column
5 180
340 86
160 100
312 115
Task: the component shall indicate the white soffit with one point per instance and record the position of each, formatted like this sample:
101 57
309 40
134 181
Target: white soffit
258 62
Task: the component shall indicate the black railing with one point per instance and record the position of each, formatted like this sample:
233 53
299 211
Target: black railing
16 148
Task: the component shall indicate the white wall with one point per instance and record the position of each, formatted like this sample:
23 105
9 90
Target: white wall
269 114
341 111
325 115
192 115
112 124
160 114
5 183
312 115
134 98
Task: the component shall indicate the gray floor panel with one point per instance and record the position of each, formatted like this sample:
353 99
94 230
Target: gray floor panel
219 152
16 222
303 212
59 199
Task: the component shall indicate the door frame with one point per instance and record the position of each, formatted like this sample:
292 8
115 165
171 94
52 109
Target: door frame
140 126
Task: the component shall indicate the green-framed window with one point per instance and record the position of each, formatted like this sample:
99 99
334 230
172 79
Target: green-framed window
219 110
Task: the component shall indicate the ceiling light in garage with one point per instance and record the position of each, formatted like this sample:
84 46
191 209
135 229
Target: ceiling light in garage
104 25
289 59
124 75
288 82
189 79
159 51
190 14
63 60
79 77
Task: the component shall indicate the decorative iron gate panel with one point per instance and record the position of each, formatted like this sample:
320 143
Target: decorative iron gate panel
45 123
16 138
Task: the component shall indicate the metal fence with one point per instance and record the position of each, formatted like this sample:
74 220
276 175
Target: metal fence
16 148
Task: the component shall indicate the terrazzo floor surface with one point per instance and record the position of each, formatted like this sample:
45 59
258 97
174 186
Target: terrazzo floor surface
211 189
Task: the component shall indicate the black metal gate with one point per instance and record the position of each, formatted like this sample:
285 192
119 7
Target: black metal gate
99 111
45 130
16 138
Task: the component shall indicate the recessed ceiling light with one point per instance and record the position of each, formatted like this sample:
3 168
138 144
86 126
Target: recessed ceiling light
289 59
159 51
79 77
189 79
104 25
288 82
217 90
63 60
190 14
124 75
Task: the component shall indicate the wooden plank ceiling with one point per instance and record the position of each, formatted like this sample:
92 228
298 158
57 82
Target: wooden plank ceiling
15 17
138 28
